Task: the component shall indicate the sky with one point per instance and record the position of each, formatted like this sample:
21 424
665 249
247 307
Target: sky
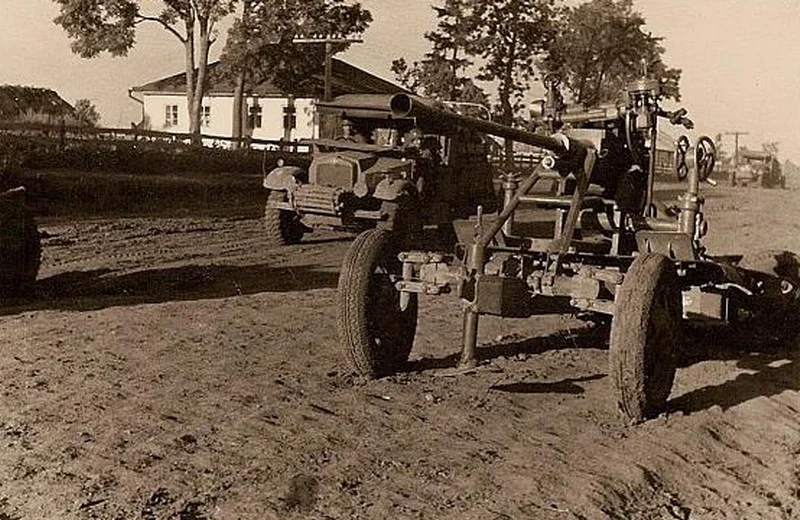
740 60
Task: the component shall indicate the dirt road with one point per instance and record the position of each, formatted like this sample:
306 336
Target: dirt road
176 368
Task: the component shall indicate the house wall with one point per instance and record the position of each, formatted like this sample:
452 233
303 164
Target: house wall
272 118
220 116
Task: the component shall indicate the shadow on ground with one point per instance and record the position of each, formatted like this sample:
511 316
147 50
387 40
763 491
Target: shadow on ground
102 288
591 337
773 368
565 386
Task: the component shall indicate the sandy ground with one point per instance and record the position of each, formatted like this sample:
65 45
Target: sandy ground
175 368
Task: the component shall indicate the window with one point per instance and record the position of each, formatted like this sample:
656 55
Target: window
205 117
171 116
254 117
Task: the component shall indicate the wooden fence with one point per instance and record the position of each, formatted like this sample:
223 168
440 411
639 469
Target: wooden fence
71 133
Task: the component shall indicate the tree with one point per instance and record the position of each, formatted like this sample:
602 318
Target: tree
86 113
260 44
441 73
601 47
510 36
771 147
97 26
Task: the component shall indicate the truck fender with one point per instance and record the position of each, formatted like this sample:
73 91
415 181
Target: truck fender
391 189
284 178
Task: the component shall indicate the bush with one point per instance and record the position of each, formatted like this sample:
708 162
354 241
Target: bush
48 151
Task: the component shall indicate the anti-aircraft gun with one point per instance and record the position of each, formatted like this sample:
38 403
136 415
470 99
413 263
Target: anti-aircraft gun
609 253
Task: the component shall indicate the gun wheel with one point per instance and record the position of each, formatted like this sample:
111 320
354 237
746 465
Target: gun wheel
645 337
777 309
376 331
282 227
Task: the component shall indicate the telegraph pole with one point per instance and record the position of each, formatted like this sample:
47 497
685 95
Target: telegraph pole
328 77
736 135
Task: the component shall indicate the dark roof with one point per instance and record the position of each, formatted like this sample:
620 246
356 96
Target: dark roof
16 101
345 79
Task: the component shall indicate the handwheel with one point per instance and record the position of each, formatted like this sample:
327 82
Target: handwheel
630 132
376 329
681 152
645 336
705 157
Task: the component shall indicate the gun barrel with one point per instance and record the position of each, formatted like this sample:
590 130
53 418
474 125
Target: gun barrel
404 105
374 106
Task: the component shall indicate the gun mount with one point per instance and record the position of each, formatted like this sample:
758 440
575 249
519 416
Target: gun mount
608 251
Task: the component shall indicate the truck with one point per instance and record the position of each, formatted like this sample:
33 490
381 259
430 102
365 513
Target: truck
382 170
758 169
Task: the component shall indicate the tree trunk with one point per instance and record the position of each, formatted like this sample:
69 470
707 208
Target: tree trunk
239 115
190 76
200 82
238 111
504 92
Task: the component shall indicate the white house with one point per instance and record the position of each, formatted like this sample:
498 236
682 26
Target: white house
268 108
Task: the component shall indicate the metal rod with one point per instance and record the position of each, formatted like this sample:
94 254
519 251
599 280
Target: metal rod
510 186
577 201
651 167
469 338
405 105
476 265
690 204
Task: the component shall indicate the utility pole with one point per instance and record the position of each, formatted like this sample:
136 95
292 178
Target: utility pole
736 135
328 77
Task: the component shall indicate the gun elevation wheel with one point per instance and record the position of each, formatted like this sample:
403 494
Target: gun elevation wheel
376 331
282 227
645 337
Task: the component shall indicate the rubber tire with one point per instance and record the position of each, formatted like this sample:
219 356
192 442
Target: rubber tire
376 333
32 259
645 336
21 255
282 227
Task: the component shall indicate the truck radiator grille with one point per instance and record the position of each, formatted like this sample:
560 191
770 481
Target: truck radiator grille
316 198
338 174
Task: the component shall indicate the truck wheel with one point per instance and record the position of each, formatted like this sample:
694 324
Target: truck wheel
403 214
376 331
645 336
282 227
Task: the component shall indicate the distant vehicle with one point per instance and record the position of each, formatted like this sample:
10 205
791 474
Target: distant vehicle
758 168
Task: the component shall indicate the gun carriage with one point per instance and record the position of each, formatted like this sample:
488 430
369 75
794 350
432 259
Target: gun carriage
610 252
